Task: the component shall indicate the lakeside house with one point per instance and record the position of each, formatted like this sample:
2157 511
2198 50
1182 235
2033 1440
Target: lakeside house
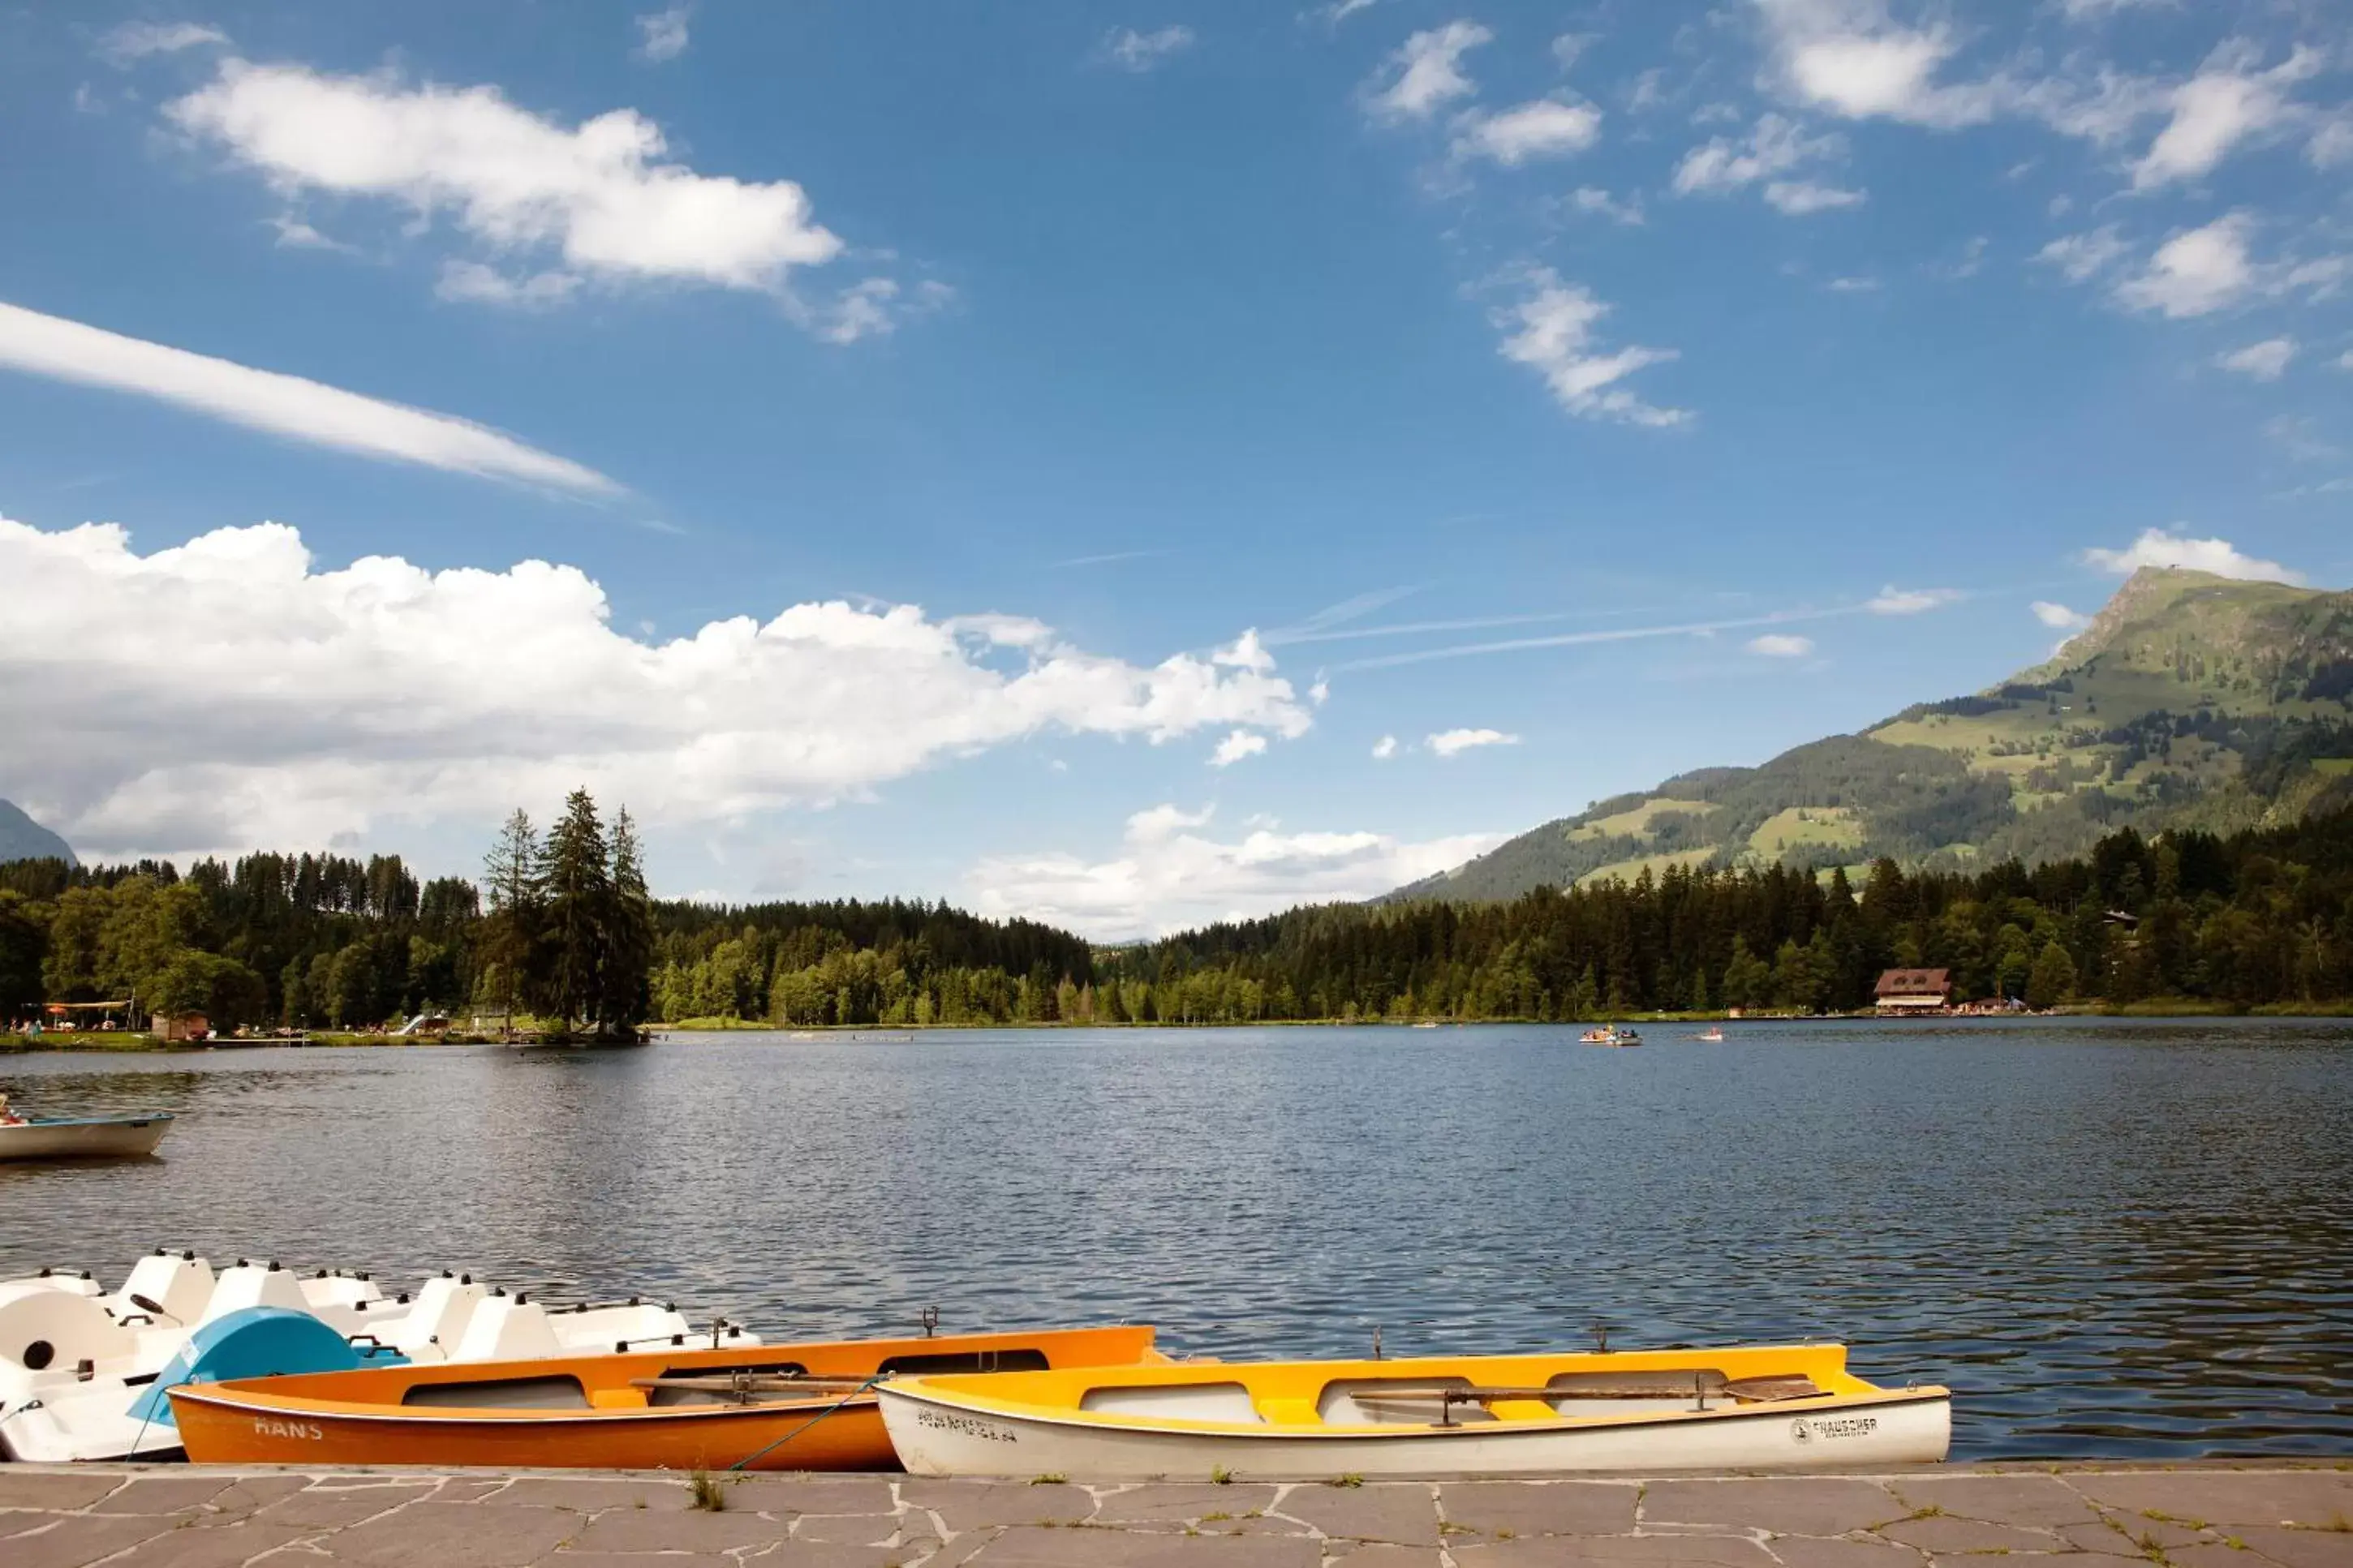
1902 991
188 1027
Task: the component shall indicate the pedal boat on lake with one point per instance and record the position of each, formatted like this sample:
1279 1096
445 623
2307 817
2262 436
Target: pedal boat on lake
1610 1036
83 1137
1791 1407
776 1408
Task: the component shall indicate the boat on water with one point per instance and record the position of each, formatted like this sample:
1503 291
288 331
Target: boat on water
75 1360
1771 1407
83 1137
1709 1037
779 1407
1610 1035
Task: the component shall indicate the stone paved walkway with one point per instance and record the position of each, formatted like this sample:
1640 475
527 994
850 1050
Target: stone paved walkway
2203 1516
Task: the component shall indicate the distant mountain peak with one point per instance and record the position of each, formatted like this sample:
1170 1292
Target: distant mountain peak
22 838
2189 700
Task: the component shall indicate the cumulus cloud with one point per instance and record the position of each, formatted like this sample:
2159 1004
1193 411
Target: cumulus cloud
1546 128
1852 57
1551 330
662 35
2265 360
282 404
243 696
1238 744
2157 547
1134 51
1601 204
1425 73
470 282
2058 618
1169 875
1772 151
134 41
2226 103
1781 644
1894 600
2209 269
600 197
1385 748
1454 742
2082 257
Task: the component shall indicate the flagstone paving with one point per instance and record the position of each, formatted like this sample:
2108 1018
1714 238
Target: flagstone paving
2077 1516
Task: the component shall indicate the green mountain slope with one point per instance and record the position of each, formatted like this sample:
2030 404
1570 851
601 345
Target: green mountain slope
2189 700
22 838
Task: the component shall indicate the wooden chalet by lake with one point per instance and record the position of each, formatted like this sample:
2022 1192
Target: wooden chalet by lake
1902 991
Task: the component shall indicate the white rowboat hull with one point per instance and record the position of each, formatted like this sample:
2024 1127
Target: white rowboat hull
935 1438
84 1137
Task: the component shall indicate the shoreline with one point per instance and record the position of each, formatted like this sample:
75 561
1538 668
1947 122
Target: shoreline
2183 1010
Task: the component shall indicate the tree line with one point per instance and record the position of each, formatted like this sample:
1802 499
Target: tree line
560 928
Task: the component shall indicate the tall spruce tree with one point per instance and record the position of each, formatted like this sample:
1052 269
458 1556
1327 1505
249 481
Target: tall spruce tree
629 936
579 896
512 875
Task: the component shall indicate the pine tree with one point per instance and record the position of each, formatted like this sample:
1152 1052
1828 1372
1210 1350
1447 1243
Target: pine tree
579 883
628 935
512 874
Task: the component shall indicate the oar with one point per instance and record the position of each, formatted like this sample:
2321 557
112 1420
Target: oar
749 1382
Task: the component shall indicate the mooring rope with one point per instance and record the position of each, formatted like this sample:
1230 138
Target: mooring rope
812 1421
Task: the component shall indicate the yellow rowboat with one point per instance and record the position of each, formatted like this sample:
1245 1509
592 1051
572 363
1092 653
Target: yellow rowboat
1750 1408
768 1407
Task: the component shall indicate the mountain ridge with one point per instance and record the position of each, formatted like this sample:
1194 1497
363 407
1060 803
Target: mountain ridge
2189 700
22 838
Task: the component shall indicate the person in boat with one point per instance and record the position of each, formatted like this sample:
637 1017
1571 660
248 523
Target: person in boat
7 1117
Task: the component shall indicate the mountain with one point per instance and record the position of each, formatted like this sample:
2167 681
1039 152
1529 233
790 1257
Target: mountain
22 838
2189 700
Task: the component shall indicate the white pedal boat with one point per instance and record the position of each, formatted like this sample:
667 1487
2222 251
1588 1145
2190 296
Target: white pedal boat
74 1363
1438 1418
83 1137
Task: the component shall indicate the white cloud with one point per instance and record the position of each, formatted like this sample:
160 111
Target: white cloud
1775 147
1546 127
1567 48
1238 744
294 234
2212 112
242 696
1892 600
1340 11
2058 618
662 35
1425 75
2265 360
137 40
1799 198
599 194
1551 330
1130 50
1781 644
1850 57
1454 742
282 405
1385 748
870 308
2156 547
1600 203
2080 256
470 282
1168 874
2087 10
1859 284
2345 360
2196 271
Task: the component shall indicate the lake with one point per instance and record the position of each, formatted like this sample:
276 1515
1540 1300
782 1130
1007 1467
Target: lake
2110 1237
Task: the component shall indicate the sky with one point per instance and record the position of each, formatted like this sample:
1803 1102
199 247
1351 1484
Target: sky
1129 466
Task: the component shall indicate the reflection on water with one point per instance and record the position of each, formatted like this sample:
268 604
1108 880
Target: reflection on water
2111 1238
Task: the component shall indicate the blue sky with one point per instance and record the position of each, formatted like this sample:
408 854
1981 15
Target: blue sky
1125 465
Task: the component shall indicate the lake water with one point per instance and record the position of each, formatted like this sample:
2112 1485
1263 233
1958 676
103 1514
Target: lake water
2109 1237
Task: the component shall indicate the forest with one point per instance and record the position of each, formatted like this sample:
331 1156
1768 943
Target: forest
560 929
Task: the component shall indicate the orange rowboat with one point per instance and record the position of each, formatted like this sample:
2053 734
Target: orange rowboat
768 1407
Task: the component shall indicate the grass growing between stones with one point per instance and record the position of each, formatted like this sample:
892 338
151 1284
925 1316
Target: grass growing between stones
706 1492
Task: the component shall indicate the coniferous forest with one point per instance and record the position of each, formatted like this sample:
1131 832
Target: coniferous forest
560 928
